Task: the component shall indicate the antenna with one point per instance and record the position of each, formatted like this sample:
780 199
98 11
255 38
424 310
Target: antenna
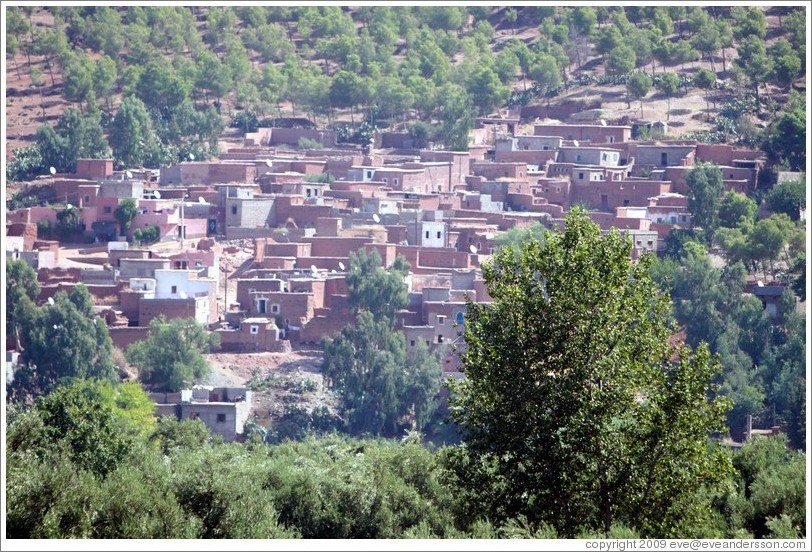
51 301
52 170
157 194
376 218
129 174
472 249
341 265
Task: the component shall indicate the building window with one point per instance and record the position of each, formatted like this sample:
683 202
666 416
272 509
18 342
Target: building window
385 180
603 156
394 181
411 343
233 209
440 319
440 338
578 157
611 139
580 176
254 329
427 234
308 192
682 218
625 202
87 199
221 418
107 209
262 306
428 343
460 317
650 243
439 235
545 148
174 289
275 309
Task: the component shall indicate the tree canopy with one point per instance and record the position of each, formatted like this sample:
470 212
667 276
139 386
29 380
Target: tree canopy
576 411
171 358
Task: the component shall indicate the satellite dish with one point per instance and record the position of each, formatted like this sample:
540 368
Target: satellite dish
182 294
129 174
51 301
760 283
472 249
157 194
603 123
55 326
268 163
333 271
201 200
68 206
376 218
341 265
191 157
575 143
314 270
52 170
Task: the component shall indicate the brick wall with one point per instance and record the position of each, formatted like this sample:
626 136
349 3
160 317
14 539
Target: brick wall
124 337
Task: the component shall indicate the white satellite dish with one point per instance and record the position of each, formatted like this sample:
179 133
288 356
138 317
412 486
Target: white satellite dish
268 163
333 271
191 157
314 270
52 170
51 301
376 218
472 249
341 265
157 194
68 206
129 174
56 327
201 200
182 294
603 122
575 143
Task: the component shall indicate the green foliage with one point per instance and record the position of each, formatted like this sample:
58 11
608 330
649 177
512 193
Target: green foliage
381 388
375 289
705 190
172 434
21 286
518 236
61 342
171 358
131 135
571 399
735 209
124 213
637 87
75 136
788 197
26 163
621 60
786 135
147 235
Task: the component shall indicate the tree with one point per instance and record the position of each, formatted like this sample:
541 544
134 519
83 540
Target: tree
125 212
62 342
131 135
669 85
637 86
546 73
788 197
706 80
573 412
705 190
379 386
620 60
785 140
754 61
171 358
486 90
707 40
372 288
736 208
455 115
21 286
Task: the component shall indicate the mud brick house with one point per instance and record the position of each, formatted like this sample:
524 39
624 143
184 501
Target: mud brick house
254 334
596 134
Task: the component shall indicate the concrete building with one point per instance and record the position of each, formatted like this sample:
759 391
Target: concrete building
224 410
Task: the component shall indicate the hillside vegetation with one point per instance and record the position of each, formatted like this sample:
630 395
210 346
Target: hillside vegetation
152 85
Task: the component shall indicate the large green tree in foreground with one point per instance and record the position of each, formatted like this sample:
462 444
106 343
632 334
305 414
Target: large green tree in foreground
576 411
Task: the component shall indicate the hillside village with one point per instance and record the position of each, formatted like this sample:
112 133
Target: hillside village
255 245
